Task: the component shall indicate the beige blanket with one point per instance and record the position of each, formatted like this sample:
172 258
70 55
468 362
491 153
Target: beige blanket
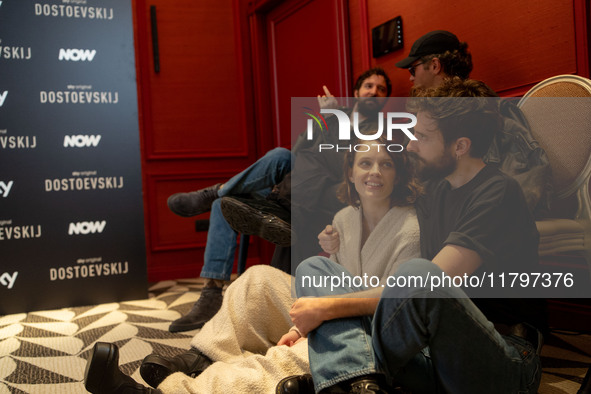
254 315
242 336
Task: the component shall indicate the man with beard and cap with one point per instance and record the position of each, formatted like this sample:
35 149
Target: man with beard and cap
252 188
440 55
430 338
234 351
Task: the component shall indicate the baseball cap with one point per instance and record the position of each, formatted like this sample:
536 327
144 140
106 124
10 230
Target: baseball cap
434 42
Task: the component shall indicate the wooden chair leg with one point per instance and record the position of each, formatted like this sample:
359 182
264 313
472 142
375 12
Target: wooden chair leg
242 253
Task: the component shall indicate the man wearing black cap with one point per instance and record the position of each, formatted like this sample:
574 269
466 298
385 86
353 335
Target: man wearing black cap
441 56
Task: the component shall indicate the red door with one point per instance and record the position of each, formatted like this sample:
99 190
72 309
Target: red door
195 117
221 99
298 46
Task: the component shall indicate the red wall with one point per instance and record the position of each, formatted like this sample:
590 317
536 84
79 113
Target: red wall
222 99
226 64
514 44
196 121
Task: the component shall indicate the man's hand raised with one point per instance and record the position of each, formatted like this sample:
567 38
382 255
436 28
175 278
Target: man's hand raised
327 100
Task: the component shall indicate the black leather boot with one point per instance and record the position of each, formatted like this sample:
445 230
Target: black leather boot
367 386
303 384
263 218
193 203
156 368
205 307
102 375
297 384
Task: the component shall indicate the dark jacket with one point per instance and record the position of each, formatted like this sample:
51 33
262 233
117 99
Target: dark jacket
519 155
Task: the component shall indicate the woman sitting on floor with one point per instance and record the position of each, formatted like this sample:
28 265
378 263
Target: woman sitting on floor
235 351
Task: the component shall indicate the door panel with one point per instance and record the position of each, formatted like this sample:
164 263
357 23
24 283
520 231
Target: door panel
307 48
225 66
194 122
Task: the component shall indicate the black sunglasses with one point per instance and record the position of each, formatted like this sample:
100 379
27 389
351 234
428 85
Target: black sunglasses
411 69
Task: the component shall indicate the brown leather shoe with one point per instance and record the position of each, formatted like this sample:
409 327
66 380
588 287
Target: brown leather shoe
193 203
102 375
156 368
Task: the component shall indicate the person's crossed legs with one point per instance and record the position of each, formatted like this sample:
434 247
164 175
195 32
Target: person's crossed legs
256 181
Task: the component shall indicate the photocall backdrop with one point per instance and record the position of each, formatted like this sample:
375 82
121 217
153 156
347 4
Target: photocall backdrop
71 216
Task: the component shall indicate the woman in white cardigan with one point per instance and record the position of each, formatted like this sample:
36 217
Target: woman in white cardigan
377 231
242 346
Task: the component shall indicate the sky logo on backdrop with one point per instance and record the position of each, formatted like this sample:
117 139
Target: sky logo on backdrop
5 188
7 279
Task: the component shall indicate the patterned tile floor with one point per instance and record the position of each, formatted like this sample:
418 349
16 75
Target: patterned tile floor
45 352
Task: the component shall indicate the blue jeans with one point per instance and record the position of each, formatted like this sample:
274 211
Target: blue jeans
432 342
339 349
257 180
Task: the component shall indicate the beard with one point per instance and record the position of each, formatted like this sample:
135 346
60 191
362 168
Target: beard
438 169
370 106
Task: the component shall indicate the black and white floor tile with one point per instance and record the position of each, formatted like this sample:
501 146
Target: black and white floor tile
45 352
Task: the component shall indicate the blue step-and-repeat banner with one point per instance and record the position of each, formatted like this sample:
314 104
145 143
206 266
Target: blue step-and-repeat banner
71 214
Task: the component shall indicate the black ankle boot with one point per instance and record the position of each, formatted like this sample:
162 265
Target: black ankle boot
367 386
156 368
193 203
205 307
263 218
297 384
102 375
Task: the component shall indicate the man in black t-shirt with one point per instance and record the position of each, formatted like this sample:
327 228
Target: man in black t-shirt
426 334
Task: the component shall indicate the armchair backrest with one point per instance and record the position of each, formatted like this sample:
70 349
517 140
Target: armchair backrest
563 128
